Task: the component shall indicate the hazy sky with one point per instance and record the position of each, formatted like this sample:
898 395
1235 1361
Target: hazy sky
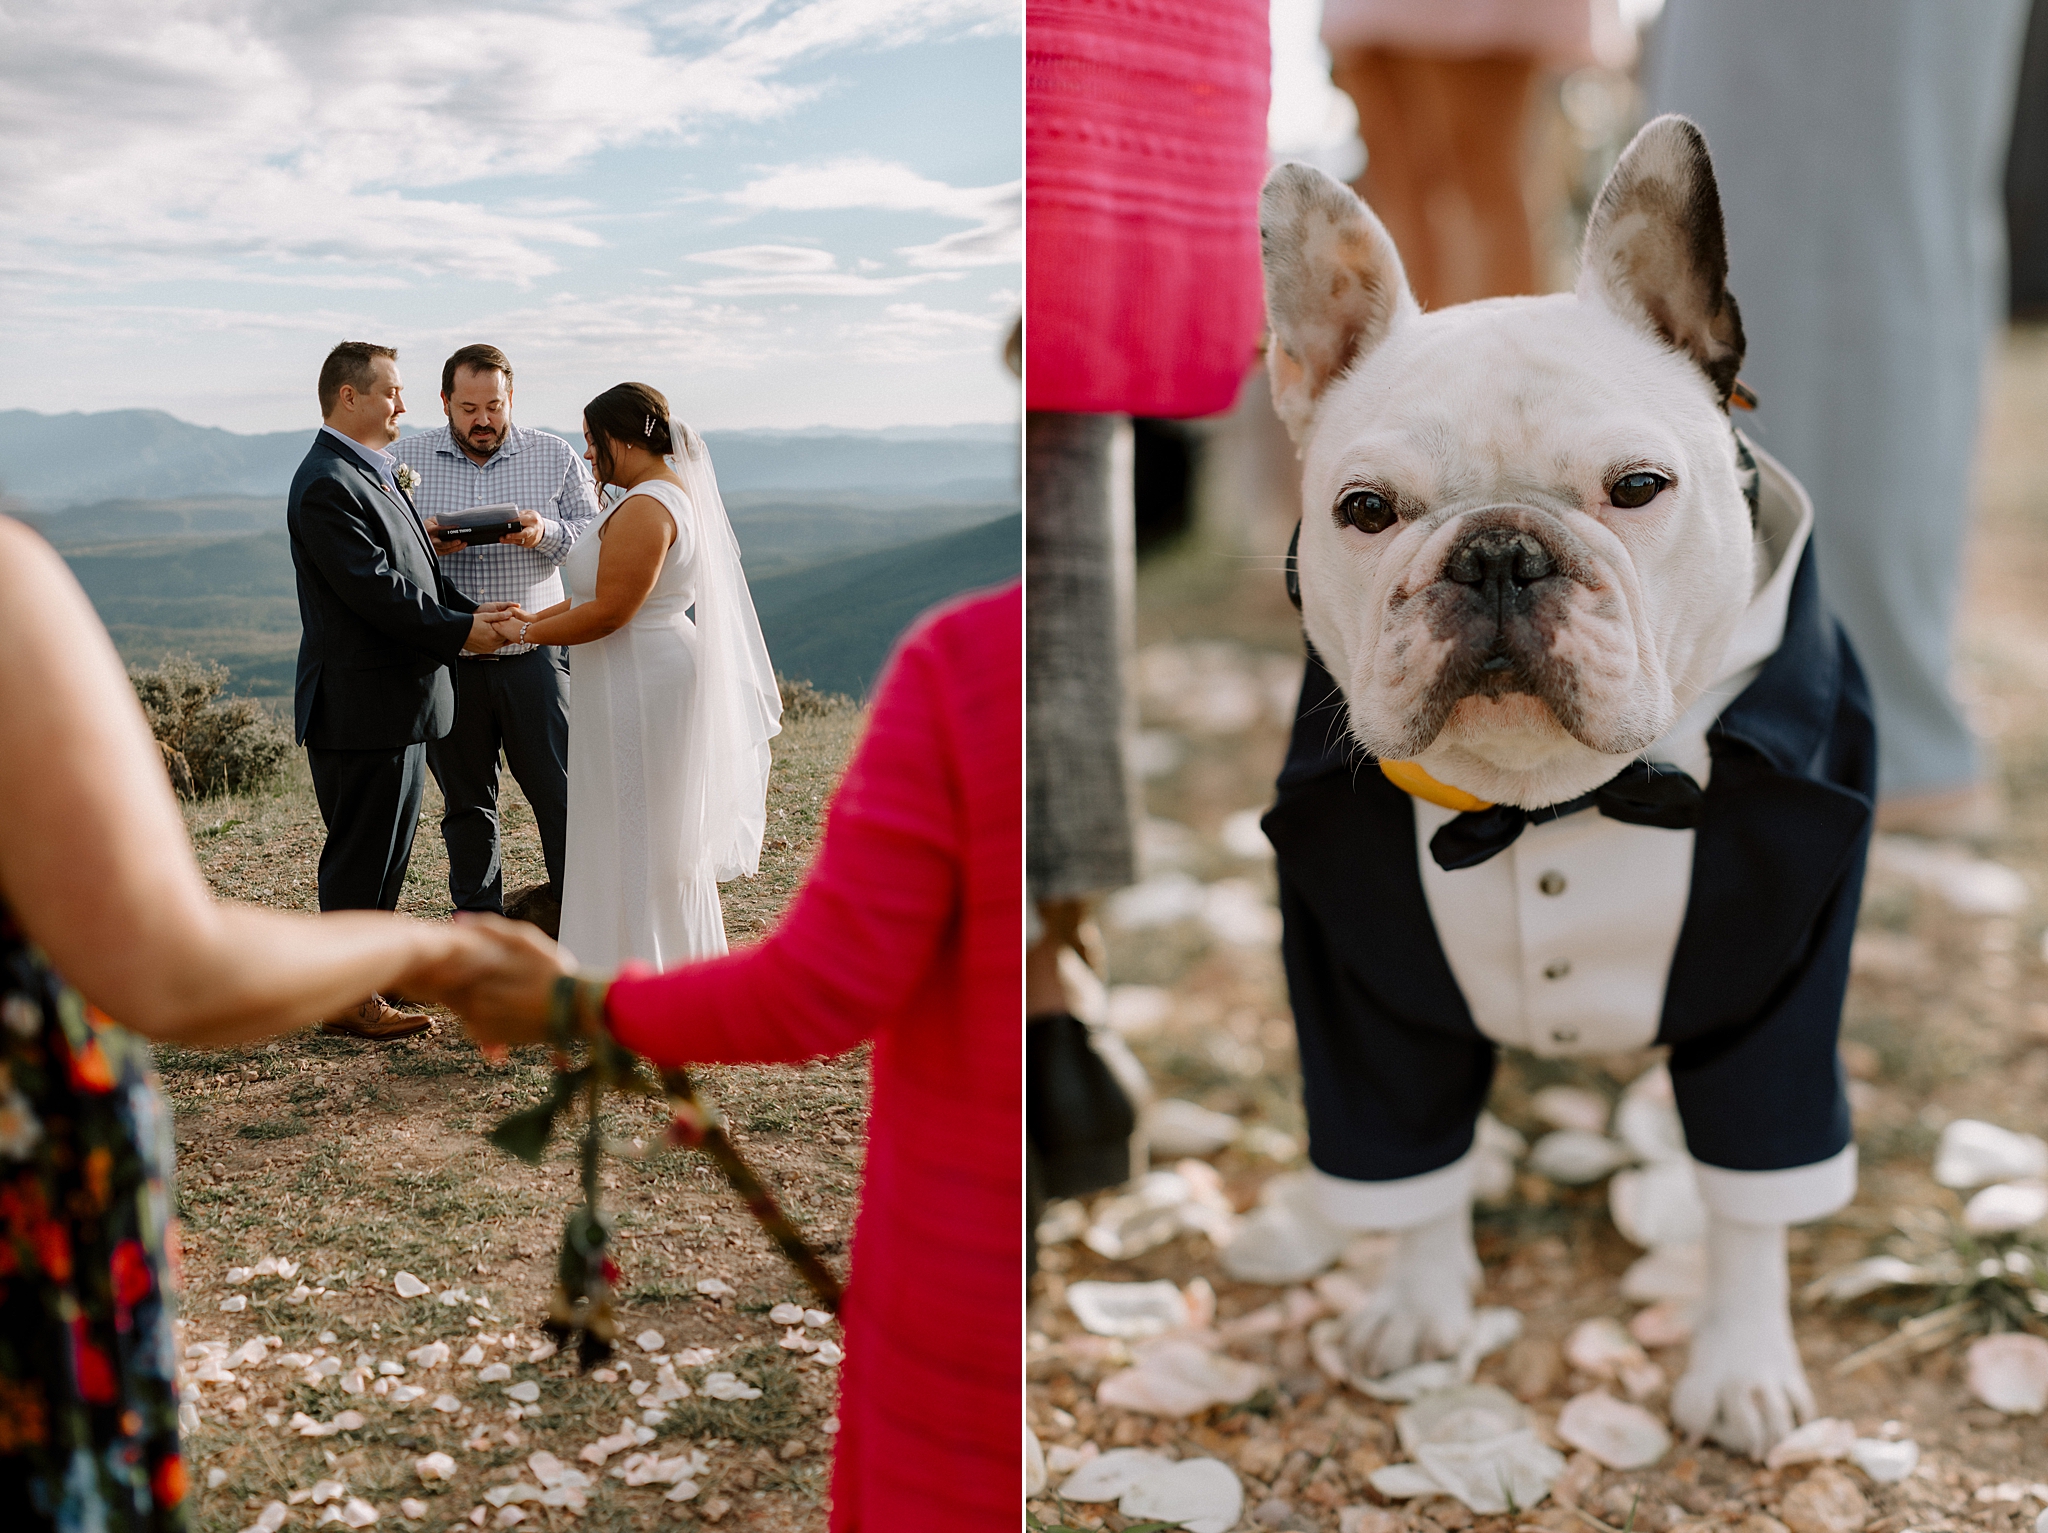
780 212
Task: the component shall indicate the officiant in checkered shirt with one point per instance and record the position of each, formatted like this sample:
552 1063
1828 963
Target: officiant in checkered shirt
516 699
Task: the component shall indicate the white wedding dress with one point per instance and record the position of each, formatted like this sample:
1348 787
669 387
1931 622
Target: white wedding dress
668 752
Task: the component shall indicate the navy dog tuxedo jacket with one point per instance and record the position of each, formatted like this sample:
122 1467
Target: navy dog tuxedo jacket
1395 1071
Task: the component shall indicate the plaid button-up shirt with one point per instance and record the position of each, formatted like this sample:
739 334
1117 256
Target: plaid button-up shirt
532 470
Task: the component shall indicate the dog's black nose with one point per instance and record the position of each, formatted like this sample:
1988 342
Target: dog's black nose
1502 559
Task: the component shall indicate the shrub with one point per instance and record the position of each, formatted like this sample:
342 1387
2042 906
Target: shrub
801 700
210 744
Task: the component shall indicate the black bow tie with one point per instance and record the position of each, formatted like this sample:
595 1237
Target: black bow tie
1639 794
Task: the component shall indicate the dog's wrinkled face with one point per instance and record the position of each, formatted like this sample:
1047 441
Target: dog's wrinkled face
1524 544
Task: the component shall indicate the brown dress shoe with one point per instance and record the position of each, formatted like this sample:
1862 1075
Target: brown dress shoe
378 1021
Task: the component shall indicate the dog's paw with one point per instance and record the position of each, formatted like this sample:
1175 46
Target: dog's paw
1745 1387
1422 1308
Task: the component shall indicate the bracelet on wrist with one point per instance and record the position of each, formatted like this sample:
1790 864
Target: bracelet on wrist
576 1011
522 630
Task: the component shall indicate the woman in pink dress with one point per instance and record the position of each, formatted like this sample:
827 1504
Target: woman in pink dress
905 933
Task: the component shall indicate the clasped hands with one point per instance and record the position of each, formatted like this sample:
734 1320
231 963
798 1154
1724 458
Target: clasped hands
497 974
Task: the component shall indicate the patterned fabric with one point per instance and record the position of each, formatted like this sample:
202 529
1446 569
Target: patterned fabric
88 1375
533 470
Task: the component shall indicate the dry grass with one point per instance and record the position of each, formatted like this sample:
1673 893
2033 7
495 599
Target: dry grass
361 1161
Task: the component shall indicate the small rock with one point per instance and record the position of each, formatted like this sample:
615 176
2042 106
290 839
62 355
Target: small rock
1886 1460
714 1509
1261 1457
1619 1435
1273 1512
1826 1501
1580 1475
2009 1372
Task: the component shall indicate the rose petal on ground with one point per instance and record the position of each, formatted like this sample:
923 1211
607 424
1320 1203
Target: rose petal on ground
408 1286
1178 1378
1973 1152
2009 1372
1620 1435
234 1305
2005 1207
435 1466
1576 1158
502 1495
447 1403
496 1373
787 1314
412 1509
650 1341
432 1355
1405 1482
508 1515
1204 1495
348 1421
1669 1272
239 1275
1658 1204
1129 1310
1174 1128
405 1394
1285 1239
1887 1460
548 1469
1826 1501
1571 1107
325 1491
715 1288
1818 1442
1664 1324
1602 1348
216 1478
1867 1276
830 1353
1109 1475
1466 1413
272 1517
1499 1474
525 1392
727 1386
695 1357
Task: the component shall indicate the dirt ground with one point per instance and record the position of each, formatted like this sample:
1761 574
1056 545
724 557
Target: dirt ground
358 1162
1947 1017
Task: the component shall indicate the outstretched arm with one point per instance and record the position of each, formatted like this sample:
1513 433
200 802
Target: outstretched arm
336 537
96 867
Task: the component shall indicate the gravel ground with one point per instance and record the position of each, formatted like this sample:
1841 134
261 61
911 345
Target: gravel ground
1947 1017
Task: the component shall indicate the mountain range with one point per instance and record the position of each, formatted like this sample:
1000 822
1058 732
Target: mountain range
50 462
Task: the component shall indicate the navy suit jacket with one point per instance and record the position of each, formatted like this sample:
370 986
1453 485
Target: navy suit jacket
381 624
1394 1068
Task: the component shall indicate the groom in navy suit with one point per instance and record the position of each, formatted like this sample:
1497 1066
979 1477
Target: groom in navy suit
382 628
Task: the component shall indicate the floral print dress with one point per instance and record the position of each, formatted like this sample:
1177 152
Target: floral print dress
88 1372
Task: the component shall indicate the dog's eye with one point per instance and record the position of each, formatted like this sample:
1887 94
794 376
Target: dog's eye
1637 489
1367 510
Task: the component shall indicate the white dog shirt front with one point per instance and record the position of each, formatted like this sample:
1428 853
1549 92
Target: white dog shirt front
1562 942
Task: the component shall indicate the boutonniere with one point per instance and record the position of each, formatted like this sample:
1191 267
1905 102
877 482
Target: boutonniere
408 478
581 1310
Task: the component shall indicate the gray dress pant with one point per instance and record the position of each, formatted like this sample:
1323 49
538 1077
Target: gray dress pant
1079 832
1860 146
520 705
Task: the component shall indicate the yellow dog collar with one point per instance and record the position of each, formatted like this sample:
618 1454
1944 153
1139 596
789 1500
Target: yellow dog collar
1410 778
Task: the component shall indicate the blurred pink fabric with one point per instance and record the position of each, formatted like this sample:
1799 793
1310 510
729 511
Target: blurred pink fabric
1145 143
1564 34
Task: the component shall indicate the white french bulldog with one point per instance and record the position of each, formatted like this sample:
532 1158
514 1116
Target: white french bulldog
1524 549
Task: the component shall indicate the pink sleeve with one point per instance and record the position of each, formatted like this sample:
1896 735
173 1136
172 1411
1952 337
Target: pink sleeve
863 931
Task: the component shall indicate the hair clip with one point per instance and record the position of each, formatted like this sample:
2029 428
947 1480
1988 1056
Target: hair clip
648 429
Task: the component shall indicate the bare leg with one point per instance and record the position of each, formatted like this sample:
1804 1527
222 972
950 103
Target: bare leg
1745 1387
1406 155
1486 105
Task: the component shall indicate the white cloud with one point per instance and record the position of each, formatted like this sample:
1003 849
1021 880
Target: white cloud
823 284
863 181
772 258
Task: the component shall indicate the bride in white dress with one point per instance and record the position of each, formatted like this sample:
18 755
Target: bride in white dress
672 700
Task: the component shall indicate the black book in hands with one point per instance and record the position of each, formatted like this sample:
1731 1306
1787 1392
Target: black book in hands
481 524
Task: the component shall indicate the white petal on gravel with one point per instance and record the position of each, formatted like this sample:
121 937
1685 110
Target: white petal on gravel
1285 1239
432 1355
270 1519
1669 1272
1405 1482
2009 1372
412 1509
1571 1107
726 1386
234 1305
525 1392
408 1286
497 1373
1497 1475
1887 1460
715 1288
651 1341
507 1516
325 1491
1204 1495
830 1353
2004 1207
1179 1378
239 1275
1664 1324
1658 1205
405 1394
695 1357
216 1478
472 1357
1967 884
787 1314
505 1495
1174 1128
1576 1158
1867 1276
1129 1310
548 1469
1466 1413
435 1466
817 1317
1818 1442
1602 1348
1973 1152
447 1404
348 1421
358 1513
1109 1475
1620 1435
1034 1465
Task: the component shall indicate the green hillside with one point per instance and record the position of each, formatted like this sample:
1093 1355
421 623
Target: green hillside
834 623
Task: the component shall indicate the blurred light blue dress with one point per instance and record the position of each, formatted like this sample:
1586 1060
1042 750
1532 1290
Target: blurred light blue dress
1860 148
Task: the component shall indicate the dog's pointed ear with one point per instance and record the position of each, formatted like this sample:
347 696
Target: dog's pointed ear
1334 285
1657 254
